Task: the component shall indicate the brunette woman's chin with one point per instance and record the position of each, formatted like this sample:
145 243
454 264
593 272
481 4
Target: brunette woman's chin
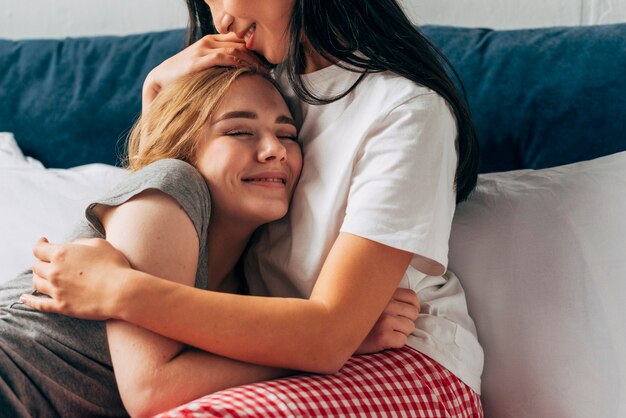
267 64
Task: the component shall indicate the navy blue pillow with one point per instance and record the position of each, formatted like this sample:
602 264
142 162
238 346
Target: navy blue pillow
539 97
72 101
542 97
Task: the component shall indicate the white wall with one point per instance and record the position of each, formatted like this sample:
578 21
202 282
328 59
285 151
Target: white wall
512 14
21 19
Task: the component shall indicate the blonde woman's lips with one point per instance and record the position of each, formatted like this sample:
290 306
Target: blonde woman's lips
268 180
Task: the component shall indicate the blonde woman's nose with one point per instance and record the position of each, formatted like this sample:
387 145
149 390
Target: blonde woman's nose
270 148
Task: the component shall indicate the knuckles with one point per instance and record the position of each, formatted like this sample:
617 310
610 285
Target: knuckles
230 51
59 254
387 321
54 276
400 341
206 41
61 305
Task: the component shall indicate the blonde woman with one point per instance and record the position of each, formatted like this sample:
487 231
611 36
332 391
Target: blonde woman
158 217
224 130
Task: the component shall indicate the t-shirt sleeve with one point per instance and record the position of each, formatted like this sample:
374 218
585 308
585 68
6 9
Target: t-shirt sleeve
402 189
175 178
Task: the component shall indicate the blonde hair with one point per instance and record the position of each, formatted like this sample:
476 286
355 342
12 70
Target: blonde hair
171 126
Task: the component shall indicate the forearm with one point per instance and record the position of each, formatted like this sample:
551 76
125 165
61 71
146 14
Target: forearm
317 334
258 330
193 374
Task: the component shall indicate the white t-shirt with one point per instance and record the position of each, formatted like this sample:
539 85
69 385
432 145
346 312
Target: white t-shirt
379 163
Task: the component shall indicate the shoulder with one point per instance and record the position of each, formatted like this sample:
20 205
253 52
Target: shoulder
390 100
170 173
389 94
165 181
178 179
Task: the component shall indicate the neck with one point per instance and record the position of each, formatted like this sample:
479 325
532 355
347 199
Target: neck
314 60
226 241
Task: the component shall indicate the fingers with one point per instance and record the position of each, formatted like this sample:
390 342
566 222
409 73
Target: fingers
40 303
395 331
43 249
42 285
227 37
228 44
47 252
404 325
215 59
397 323
396 340
389 332
406 296
402 309
247 58
228 57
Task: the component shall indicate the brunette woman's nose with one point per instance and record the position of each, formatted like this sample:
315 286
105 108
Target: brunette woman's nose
271 148
223 22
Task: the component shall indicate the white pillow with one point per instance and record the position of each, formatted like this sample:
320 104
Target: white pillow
41 202
542 257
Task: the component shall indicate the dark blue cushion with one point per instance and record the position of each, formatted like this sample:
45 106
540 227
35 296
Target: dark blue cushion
539 97
72 101
542 97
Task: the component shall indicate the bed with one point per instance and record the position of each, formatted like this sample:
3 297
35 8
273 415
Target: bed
540 246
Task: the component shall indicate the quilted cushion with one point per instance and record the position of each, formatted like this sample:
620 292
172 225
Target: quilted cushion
71 102
540 97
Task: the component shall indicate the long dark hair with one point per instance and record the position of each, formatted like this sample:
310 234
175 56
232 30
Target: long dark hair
387 40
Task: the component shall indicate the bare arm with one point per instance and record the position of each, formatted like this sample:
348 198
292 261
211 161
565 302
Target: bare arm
317 334
155 373
209 51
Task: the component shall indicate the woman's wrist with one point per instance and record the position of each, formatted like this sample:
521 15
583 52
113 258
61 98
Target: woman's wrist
121 294
134 294
149 92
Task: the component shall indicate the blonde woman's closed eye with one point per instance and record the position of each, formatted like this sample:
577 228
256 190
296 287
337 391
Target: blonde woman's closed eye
238 133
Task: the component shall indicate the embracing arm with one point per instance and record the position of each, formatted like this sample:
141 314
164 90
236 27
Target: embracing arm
155 373
317 334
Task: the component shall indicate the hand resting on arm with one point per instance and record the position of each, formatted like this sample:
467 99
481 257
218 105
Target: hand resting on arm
266 331
155 373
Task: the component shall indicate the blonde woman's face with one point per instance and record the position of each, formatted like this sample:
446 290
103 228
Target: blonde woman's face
248 154
262 24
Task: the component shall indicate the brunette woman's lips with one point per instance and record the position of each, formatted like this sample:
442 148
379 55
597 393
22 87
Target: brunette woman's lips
249 36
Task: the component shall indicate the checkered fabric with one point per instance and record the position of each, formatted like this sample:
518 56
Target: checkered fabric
395 383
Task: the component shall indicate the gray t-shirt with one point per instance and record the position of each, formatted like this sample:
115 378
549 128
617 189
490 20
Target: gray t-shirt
52 365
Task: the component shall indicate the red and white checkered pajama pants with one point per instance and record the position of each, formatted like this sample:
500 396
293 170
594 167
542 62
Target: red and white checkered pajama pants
395 383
